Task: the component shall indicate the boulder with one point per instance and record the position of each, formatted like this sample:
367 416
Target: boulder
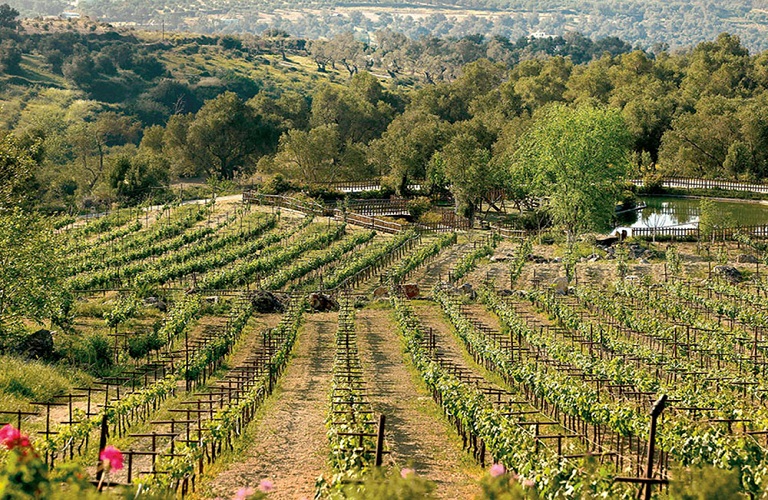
499 258
382 291
467 290
728 273
745 258
321 302
38 345
635 251
643 261
266 302
606 241
505 292
411 290
560 285
593 258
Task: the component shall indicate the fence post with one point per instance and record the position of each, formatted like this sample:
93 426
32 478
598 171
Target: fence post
380 441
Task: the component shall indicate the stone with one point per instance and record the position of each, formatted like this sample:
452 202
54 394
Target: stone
635 251
557 260
606 241
411 290
321 302
266 302
728 273
594 258
747 259
560 285
643 261
380 292
506 292
467 290
38 345
499 258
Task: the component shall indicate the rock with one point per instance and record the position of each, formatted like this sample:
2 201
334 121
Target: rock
499 258
649 254
156 303
594 258
607 241
213 299
557 260
380 292
747 259
560 285
321 302
632 277
266 302
635 251
467 290
411 290
38 345
728 273
643 261
506 292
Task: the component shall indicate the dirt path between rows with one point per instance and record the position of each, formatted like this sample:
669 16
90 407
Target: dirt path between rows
416 435
290 446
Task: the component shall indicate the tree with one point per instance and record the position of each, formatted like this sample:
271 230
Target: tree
309 156
223 136
132 177
8 17
10 56
17 167
468 171
30 286
576 158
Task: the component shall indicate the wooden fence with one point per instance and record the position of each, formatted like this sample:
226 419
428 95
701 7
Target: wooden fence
694 233
688 183
307 207
368 221
391 206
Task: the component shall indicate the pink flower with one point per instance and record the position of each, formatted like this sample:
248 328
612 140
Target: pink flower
497 470
404 473
112 458
244 493
529 483
266 485
12 437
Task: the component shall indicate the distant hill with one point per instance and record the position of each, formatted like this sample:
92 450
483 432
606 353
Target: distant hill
676 23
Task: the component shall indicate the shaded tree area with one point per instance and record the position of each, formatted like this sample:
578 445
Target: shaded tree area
449 114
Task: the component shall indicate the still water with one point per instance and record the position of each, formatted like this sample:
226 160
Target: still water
663 212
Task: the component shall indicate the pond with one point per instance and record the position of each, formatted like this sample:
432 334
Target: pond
663 211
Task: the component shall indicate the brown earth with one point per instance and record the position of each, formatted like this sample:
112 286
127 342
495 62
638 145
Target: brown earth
290 446
416 433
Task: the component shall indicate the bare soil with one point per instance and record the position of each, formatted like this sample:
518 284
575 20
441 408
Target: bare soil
416 435
290 446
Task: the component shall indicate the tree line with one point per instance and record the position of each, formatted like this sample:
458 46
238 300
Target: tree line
699 112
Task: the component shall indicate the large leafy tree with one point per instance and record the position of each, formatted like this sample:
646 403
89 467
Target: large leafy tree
224 135
30 270
576 159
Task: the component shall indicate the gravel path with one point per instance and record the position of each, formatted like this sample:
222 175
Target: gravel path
290 446
416 435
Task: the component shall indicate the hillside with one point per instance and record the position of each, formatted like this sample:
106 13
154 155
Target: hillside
678 23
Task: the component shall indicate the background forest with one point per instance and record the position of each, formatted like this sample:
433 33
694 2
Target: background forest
677 23
119 115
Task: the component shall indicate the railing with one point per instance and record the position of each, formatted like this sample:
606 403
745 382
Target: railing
307 207
393 206
694 233
368 221
687 183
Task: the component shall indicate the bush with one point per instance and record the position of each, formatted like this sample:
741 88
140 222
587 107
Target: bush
142 344
419 206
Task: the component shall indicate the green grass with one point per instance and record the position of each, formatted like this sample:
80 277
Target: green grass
22 381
